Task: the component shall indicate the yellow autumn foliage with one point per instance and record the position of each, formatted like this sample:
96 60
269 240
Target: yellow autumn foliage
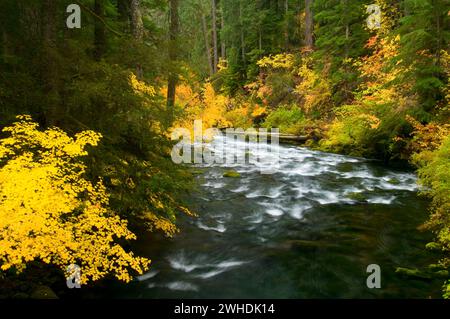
379 86
206 105
140 87
50 213
314 89
278 61
215 108
160 223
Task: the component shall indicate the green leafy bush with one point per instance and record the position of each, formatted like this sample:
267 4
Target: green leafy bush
434 174
287 118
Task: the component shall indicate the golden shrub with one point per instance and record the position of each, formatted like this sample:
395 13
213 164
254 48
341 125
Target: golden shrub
50 213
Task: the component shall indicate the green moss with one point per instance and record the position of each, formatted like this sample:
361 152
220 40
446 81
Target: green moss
359 197
232 174
414 273
394 181
436 267
43 292
441 274
288 118
195 171
433 246
345 167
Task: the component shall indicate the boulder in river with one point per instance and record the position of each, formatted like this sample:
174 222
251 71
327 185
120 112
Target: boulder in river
358 197
232 174
43 292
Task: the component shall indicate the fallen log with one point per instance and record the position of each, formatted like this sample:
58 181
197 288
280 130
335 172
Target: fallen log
281 136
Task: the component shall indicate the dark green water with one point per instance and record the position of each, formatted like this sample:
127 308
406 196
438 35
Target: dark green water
296 233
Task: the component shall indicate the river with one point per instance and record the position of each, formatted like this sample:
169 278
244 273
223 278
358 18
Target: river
309 230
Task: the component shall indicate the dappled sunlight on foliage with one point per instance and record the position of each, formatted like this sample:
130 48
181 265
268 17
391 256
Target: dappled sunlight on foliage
205 105
141 87
279 61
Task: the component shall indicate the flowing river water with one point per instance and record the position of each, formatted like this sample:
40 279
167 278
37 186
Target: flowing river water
309 230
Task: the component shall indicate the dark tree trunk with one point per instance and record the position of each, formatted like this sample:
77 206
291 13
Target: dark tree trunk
173 35
137 28
99 31
309 42
223 47
4 45
53 108
207 46
286 27
242 36
123 8
214 32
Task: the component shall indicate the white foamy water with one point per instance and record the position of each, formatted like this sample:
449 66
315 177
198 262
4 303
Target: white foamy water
182 286
274 212
147 276
382 200
244 222
301 179
200 266
219 228
297 210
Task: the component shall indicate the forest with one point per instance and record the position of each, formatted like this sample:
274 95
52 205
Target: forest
91 90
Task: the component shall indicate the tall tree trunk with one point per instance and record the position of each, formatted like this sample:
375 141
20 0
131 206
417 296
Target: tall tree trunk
345 22
223 48
286 30
137 29
123 8
214 32
99 31
207 45
260 39
242 34
439 39
308 24
173 35
53 108
347 38
4 45
244 60
137 25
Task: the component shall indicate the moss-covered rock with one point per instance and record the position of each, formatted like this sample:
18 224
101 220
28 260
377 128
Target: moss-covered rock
441 274
433 246
414 273
43 292
359 197
231 174
436 267
345 167
394 181
196 171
